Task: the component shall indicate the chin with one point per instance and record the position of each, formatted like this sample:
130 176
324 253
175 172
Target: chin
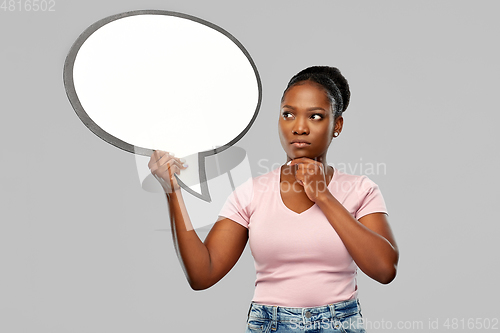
299 155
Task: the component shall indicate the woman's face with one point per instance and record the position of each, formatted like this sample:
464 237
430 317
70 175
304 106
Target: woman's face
306 122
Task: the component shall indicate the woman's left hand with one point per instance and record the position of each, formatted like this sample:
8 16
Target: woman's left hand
312 175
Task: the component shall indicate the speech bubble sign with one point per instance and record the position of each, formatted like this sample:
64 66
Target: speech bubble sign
159 80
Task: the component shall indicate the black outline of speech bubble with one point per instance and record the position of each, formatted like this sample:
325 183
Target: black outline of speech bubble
84 117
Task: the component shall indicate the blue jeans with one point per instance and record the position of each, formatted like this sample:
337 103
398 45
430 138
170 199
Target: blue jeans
343 317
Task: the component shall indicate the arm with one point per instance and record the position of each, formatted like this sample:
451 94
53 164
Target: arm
204 263
369 241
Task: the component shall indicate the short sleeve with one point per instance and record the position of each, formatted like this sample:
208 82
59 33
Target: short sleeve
370 198
238 205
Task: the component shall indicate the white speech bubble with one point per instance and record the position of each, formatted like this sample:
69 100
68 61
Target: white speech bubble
158 80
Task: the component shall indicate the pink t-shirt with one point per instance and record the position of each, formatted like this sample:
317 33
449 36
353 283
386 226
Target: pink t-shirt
300 261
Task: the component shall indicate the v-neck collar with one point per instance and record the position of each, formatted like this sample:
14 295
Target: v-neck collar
280 199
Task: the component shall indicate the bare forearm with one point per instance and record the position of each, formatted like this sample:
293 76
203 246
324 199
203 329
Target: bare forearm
373 254
192 252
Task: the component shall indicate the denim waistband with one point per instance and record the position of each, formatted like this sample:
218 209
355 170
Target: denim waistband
305 314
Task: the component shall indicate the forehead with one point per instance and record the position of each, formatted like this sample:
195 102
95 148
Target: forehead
306 92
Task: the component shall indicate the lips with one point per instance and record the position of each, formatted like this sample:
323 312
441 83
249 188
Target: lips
300 143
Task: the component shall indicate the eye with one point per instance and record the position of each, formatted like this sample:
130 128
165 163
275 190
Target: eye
317 116
287 115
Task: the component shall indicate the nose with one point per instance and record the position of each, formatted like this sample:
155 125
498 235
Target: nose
300 127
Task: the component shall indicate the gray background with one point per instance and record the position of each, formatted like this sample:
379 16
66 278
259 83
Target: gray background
84 249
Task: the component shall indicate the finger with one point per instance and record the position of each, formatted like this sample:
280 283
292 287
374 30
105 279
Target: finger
160 158
170 167
166 176
312 170
164 158
301 160
183 161
307 169
158 162
170 156
301 170
299 177
155 157
174 169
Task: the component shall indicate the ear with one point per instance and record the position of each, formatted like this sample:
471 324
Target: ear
339 123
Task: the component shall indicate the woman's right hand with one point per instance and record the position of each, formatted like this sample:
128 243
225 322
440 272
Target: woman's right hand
203 262
164 166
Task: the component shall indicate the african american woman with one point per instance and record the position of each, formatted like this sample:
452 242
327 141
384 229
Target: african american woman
309 226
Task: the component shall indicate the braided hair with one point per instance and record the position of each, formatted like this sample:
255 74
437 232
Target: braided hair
330 79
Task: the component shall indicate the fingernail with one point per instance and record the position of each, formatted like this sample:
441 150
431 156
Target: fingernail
185 165
289 162
172 154
182 160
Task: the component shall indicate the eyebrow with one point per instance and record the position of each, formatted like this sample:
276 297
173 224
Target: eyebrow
314 108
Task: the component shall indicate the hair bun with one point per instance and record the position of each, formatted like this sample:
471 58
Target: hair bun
333 74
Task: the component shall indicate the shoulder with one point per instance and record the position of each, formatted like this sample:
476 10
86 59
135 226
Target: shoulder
353 186
241 203
259 184
262 182
360 193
